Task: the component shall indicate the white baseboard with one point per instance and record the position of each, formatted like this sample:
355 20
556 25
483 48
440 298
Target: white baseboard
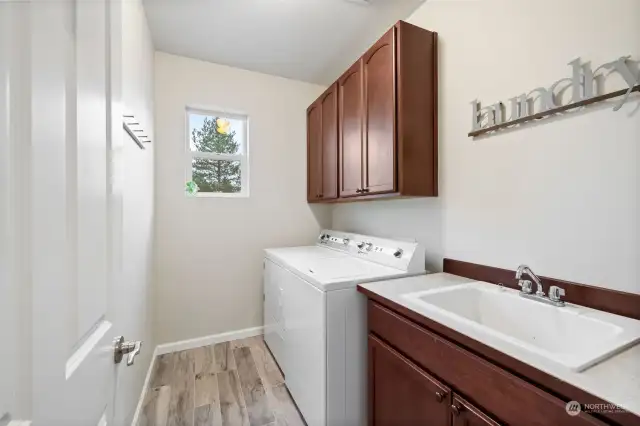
145 388
208 340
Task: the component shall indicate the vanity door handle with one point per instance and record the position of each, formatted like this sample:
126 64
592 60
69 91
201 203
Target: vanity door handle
456 410
440 396
358 191
365 190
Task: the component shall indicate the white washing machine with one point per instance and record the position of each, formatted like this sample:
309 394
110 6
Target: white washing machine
315 320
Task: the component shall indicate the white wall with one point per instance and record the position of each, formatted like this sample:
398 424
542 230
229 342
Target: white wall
134 310
561 195
209 250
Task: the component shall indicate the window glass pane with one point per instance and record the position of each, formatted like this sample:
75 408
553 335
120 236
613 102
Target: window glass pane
216 133
217 175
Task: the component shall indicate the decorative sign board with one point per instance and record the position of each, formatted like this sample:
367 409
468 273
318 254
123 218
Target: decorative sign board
546 101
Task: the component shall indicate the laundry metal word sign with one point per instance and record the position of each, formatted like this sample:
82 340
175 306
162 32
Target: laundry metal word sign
541 101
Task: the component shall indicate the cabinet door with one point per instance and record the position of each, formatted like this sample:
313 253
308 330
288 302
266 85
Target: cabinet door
380 116
465 414
400 393
350 94
314 152
329 126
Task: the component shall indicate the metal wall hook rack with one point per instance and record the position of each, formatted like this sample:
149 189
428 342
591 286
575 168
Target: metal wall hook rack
135 130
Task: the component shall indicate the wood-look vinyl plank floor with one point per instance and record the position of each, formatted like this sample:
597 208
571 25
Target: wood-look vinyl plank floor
255 396
232 408
182 401
156 406
235 383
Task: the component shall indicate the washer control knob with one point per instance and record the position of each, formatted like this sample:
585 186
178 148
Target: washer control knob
398 253
369 246
360 245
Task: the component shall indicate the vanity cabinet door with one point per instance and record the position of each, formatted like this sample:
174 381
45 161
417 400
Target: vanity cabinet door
401 393
465 414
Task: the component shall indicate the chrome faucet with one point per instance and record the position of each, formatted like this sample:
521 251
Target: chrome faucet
555 293
526 284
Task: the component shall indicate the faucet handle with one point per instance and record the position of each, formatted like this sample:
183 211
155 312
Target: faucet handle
526 285
555 293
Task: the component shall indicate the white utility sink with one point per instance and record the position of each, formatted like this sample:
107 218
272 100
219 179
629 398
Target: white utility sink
573 336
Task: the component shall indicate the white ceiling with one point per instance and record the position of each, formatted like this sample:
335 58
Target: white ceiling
307 40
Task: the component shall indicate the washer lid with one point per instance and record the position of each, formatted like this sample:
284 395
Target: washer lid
345 269
296 255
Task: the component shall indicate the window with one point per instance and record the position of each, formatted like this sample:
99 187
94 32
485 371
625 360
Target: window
218 153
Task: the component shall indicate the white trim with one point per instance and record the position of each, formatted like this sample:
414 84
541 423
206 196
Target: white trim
208 340
219 195
145 389
214 156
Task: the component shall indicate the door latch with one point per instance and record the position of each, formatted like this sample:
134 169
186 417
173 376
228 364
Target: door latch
120 348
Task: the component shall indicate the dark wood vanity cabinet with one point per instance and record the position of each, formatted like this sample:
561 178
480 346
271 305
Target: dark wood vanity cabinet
417 377
322 147
465 414
387 120
401 393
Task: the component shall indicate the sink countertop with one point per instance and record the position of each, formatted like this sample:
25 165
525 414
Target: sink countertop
616 379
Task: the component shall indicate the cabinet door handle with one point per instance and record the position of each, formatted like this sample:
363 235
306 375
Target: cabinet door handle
358 191
456 410
365 190
440 396
320 195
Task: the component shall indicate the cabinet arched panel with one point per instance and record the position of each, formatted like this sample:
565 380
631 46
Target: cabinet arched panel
329 107
380 117
314 152
350 90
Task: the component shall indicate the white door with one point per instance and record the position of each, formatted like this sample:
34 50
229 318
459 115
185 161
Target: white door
60 202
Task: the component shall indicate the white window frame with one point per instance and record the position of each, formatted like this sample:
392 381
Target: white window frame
242 158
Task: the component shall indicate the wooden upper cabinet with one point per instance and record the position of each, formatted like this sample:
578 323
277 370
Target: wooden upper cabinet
379 165
322 147
387 120
314 152
329 107
400 393
417 110
350 122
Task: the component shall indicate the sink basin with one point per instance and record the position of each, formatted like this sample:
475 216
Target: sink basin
572 336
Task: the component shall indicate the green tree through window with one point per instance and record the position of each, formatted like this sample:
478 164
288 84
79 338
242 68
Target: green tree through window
215 175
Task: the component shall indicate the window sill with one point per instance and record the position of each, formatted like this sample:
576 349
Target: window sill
219 195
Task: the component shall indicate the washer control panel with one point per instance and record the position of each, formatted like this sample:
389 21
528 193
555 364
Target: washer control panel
394 253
